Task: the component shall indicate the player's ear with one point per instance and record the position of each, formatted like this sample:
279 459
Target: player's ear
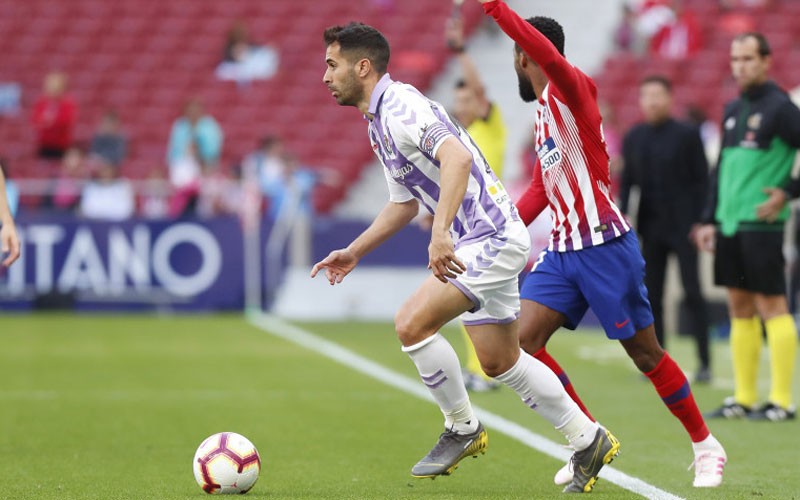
362 67
522 59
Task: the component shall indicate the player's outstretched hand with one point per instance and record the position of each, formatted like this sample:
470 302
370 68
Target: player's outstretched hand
771 209
704 237
9 243
442 258
337 265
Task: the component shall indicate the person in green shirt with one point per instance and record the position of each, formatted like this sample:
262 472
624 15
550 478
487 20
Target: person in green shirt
744 225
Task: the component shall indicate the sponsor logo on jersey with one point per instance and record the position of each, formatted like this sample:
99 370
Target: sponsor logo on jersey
754 121
549 154
400 173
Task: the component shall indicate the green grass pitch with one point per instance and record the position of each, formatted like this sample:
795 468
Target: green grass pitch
113 407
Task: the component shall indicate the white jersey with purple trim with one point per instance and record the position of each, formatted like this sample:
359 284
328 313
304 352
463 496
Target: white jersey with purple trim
406 131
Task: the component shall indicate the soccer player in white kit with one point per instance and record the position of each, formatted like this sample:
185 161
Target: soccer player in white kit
478 247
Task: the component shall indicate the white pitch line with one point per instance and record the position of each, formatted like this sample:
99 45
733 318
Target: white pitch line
336 352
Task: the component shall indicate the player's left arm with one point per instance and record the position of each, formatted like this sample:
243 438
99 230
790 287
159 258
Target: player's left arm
534 200
788 129
537 47
455 164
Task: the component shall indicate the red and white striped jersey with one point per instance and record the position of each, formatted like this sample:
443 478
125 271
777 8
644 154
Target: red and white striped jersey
572 175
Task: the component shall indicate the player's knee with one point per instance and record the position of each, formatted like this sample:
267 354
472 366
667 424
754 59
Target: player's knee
409 331
496 366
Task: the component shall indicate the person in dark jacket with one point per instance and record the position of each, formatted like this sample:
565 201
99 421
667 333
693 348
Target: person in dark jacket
665 159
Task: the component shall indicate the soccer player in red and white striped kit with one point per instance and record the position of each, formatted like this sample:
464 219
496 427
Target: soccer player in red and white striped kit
593 259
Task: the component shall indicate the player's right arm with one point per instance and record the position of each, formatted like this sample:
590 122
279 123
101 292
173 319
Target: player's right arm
534 200
9 241
393 217
536 46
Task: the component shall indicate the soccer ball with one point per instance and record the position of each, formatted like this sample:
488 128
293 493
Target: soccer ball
226 463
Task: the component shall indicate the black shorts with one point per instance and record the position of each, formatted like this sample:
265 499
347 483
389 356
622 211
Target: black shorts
752 261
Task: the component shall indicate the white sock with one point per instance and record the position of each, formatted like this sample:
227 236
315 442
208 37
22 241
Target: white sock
440 370
540 389
708 444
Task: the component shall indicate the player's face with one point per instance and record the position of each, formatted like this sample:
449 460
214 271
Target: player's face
526 91
655 102
340 77
748 67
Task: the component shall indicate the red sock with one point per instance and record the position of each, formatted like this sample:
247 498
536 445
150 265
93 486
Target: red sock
551 363
672 386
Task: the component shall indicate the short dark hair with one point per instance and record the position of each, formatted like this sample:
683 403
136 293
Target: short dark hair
550 28
363 41
659 79
764 49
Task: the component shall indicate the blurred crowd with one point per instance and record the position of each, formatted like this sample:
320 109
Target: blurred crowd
670 28
88 176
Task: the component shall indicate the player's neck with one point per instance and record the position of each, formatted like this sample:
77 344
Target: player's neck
539 85
366 97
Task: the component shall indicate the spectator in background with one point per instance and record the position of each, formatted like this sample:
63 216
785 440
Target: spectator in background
197 135
107 196
244 60
709 131
625 35
267 163
12 191
664 158
744 4
9 241
651 16
292 190
108 142
67 188
185 176
221 193
54 117
155 198
679 38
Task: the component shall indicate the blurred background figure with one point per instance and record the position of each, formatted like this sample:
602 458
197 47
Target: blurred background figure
107 196
665 159
195 134
108 141
680 37
244 60
266 164
195 145
709 131
67 187
54 117
12 191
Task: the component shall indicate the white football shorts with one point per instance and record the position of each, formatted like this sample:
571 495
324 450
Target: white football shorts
491 279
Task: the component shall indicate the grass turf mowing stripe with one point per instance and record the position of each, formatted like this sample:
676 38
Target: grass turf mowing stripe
331 350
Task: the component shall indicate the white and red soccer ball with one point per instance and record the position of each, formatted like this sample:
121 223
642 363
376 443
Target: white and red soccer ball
226 463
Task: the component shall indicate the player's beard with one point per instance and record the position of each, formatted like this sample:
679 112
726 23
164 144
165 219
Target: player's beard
351 92
526 91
